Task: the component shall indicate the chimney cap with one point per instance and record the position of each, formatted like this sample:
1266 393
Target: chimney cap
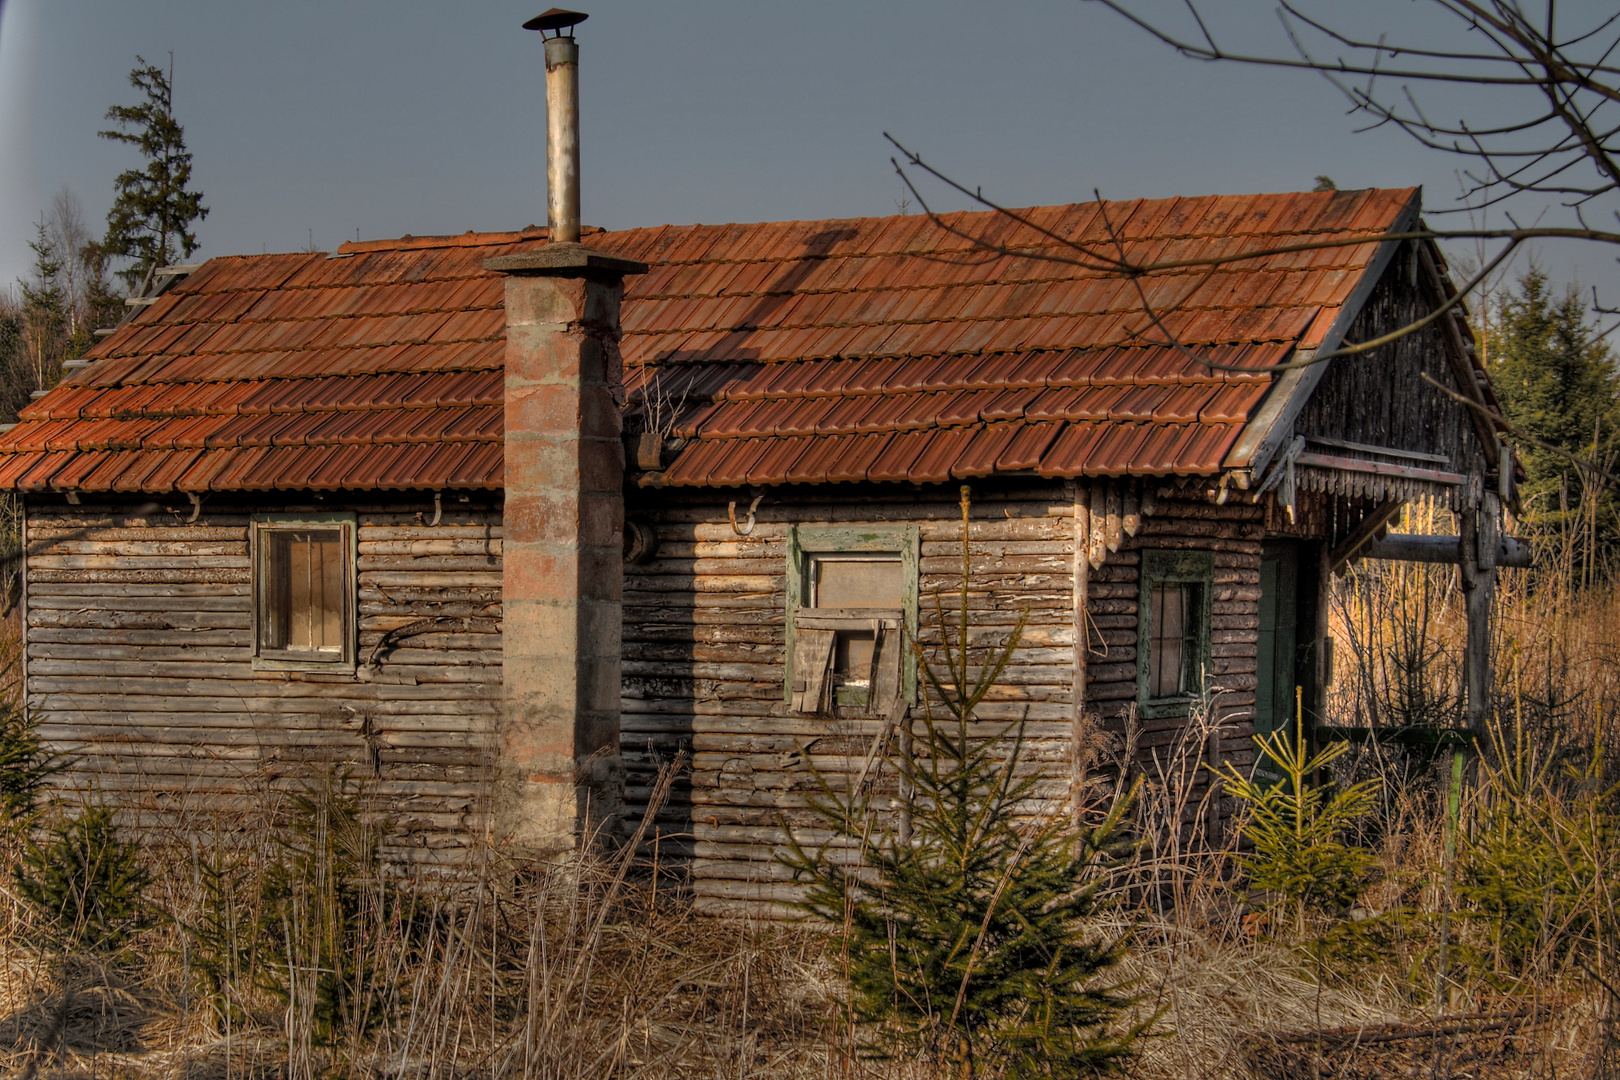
557 19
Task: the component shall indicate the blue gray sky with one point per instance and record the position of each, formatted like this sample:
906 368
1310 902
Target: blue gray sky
312 121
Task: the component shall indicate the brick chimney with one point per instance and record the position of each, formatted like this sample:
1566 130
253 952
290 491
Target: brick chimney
559 780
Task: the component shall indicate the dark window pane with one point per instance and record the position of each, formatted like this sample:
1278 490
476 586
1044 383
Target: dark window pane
1171 647
1192 651
304 593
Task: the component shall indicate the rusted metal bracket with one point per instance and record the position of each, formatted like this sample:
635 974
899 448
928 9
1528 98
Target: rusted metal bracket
731 512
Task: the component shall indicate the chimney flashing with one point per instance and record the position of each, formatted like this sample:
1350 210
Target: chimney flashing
564 260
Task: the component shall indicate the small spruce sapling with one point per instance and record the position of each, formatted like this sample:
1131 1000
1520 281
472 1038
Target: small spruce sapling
25 766
971 942
325 906
224 948
84 883
1296 828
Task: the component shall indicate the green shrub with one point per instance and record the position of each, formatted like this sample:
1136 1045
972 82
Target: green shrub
222 932
1537 871
971 941
83 883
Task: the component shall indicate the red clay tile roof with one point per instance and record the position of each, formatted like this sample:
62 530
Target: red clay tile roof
789 352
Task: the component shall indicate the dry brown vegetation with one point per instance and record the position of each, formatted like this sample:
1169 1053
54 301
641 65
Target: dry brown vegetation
598 968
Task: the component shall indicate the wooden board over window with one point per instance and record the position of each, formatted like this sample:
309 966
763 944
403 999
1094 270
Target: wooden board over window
304 593
852 605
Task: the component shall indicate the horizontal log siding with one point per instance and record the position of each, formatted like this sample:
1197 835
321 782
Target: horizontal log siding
703 663
139 664
1167 746
139 635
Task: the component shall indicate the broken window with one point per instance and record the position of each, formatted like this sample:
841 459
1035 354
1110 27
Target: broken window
1173 647
850 611
304 594
1173 622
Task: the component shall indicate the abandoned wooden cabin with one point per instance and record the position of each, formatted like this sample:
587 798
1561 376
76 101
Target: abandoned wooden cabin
399 507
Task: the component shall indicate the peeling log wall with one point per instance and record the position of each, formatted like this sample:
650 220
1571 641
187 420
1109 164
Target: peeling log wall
703 662
139 662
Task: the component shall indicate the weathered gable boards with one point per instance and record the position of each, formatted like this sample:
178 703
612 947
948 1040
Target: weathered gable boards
1384 398
139 667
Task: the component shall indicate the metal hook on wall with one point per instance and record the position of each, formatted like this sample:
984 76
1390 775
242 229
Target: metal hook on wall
438 508
196 507
732 511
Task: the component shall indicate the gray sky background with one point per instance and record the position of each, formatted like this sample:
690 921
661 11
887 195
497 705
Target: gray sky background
311 120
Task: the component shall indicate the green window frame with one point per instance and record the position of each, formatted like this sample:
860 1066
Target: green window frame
1173 583
339 593
804 544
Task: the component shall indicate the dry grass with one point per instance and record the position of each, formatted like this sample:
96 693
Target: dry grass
568 973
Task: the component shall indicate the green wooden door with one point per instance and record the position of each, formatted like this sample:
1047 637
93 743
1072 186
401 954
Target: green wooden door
1277 664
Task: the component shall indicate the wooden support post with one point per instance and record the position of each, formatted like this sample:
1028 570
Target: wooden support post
1320 656
1081 564
1362 535
1479 544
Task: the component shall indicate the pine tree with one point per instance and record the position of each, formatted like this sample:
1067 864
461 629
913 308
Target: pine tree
44 314
151 217
972 943
83 882
1558 383
14 380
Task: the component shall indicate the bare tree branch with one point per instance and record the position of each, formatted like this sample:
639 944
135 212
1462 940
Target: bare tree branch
1563 144
1568 89
1091 258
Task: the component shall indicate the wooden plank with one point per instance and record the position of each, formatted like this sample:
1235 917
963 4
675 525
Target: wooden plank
144 564
465 533
53 533
205 729
390 711
415 564
178 578
63 638
89 597
82 618
432 579
231 683
142 549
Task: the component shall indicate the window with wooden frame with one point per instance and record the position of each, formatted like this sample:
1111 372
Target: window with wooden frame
851 609
1173 630
304 601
